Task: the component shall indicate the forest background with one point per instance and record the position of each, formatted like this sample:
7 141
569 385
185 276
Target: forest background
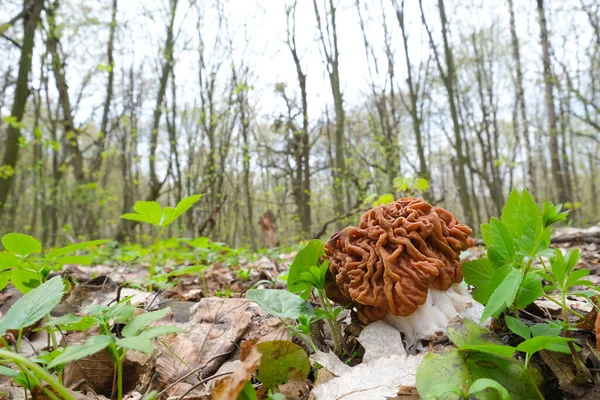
309 109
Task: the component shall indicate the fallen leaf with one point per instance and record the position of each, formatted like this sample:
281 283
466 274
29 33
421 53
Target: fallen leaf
216 326
282 361
377 380
230 387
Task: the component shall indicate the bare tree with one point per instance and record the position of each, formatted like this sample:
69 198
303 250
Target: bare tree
329 47
448 76
555 157
520 99
30 16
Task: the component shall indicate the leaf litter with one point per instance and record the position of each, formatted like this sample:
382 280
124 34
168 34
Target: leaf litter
218 329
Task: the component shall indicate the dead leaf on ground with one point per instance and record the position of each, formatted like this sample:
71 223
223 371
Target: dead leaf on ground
231 386
216 326
98 369
560 365
383 375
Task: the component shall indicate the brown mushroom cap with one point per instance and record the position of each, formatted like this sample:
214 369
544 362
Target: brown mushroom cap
388 263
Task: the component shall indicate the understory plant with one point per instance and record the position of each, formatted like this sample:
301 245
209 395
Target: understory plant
119 332
152 213
26 267
519 268
306 277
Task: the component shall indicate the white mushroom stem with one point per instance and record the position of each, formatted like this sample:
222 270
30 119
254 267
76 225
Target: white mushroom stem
430 320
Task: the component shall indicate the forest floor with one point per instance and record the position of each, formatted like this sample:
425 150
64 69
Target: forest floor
218 320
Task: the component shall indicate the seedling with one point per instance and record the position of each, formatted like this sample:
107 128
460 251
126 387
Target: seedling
152 213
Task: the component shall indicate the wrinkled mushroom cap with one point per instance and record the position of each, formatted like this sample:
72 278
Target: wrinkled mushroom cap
388 263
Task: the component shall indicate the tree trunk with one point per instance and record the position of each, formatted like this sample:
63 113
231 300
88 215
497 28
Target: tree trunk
331 54
413 107
557 172
530 179
11 143
449 79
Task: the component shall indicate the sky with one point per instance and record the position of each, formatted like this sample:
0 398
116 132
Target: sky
257 30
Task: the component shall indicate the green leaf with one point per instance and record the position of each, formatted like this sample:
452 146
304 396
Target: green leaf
421 185
506 351
551 213
464 332
25 280
139 322
538 343
483 384
307 257
442 390
76 352
462 369
520 214
4 278
384 199
479 273
8 371
281 361
23 245
280 303
138 343
504 294
501 247
70 322
191 270
74 247
147 211
160 330
531 290
248 392
8 261
181 208
576 276
517 327
34 305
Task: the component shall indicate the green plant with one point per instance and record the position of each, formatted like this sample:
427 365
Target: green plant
152 213
505 278
307 273
477 387
28 310
26 268
244 274
508 278
135 335
456 371
287 306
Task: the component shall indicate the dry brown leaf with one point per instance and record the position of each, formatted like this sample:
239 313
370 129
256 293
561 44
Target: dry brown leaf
230 387
217 324
563 371
98 370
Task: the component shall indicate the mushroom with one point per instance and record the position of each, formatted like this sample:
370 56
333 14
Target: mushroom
402 265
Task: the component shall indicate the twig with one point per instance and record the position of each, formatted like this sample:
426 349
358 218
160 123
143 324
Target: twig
203 381
191 373
336 219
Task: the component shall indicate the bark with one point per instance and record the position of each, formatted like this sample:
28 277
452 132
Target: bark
302 142
556 168
329 44
242 89
71 134
449 79
13 133
520 99
97 162
413 106
155 183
